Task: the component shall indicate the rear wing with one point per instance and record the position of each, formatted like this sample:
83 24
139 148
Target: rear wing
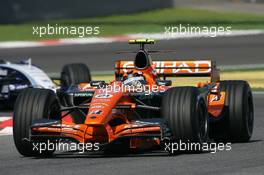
201 68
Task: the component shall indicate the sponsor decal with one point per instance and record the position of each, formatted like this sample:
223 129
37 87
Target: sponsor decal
101 100
96 107
216 98
164 67
83 94
100 104
103 96
13 87
96 112
5 89
3 72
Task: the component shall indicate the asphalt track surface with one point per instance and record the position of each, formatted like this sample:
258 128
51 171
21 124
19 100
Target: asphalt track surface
224 50
244 158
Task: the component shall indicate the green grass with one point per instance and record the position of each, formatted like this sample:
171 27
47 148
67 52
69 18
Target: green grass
146 22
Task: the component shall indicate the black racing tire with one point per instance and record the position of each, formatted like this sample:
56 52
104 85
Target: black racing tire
185 112
33 104
237 117
73 74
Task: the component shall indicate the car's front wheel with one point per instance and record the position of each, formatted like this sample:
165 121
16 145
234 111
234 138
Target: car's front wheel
185 111
33 104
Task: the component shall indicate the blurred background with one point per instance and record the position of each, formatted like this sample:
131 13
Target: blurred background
125 16
17 11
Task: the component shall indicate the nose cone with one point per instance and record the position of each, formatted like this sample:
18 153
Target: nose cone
104 100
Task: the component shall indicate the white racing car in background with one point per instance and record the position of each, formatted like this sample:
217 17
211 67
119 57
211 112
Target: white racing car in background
15 77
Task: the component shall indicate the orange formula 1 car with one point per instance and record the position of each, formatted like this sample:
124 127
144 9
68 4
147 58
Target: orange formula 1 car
140 109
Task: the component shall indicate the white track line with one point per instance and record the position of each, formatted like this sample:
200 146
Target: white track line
6 131
258 92
121 38
163 36
5 118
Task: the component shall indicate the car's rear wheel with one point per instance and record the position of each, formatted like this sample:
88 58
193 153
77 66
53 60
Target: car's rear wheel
185 112
33 104
237 118
73 74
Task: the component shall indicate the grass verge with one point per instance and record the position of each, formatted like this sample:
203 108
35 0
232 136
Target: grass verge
146 22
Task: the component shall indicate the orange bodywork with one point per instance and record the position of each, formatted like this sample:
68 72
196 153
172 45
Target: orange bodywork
104 122
216 104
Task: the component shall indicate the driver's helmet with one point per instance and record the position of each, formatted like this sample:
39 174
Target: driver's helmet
134 79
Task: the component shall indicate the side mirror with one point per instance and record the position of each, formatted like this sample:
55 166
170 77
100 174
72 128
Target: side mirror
164 82
98 84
